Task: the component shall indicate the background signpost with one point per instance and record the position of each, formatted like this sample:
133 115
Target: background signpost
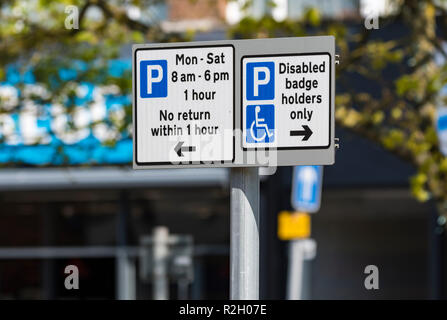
241 103
306 188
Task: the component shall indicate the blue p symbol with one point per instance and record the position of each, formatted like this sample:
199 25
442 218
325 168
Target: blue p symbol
153 79
260 81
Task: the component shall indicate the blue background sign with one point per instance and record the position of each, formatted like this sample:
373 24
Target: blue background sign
157 85
39 135
260 81
265 131
306 188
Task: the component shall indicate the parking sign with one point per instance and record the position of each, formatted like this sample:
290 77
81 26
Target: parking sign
154 78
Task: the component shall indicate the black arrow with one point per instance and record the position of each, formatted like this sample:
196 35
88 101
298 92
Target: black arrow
179 149
306 133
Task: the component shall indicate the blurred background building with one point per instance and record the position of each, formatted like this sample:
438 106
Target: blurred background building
86 206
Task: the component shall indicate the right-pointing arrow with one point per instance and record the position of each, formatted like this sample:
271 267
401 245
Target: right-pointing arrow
306 133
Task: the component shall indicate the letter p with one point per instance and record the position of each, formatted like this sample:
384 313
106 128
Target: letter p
259 82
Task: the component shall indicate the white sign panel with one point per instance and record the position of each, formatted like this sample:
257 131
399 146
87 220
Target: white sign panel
286 101
184 104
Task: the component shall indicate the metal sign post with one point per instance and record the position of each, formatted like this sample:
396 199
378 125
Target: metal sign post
306 197
244 243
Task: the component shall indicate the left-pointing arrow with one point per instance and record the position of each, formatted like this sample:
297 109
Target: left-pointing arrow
179 149
306 133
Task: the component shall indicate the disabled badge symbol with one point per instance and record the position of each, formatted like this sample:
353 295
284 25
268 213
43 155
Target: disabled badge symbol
260 123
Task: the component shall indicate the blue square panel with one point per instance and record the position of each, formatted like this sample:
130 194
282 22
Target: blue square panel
260 123
154 79
260 83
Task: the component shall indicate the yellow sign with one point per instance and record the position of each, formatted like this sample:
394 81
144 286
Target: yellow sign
293 225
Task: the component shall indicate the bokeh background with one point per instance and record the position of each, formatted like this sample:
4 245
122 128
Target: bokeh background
68 194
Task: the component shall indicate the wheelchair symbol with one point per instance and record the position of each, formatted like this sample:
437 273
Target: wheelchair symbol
261 123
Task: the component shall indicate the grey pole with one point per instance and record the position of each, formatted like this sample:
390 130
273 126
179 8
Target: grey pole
244 238
300 250
160 263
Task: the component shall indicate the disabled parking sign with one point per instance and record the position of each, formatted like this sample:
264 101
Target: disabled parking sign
260 81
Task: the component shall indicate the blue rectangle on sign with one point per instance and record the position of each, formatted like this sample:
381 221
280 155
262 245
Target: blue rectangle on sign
154 79
306 189
260 83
